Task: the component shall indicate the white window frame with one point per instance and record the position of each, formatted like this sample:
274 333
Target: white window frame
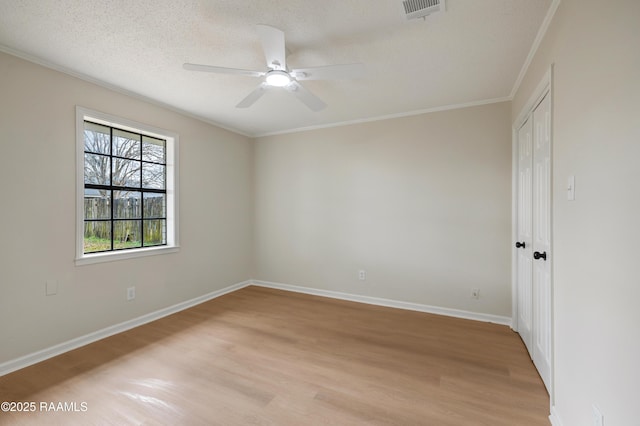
172 245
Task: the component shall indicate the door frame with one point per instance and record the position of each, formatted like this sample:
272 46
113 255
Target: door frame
545 86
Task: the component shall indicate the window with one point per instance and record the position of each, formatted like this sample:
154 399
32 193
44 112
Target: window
126 189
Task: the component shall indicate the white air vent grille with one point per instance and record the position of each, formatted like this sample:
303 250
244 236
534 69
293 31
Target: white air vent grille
420 8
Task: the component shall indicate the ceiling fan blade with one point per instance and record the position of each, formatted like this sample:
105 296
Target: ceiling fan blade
222 70
272 40
306 97
329 72
253 96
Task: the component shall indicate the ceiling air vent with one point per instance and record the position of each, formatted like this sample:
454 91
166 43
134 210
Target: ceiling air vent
420 8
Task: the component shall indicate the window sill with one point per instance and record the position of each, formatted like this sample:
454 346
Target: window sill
89 259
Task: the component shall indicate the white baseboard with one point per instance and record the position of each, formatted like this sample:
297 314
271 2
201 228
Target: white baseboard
554 418
33 358
388 302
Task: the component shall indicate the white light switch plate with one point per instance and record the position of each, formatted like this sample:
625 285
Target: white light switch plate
571 188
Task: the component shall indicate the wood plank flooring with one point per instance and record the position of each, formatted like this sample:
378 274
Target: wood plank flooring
266 357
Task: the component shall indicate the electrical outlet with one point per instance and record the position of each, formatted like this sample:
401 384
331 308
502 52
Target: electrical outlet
475 293
598 417
131 293
362 275
51 287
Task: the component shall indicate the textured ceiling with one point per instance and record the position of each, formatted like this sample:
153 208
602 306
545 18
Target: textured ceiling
471 53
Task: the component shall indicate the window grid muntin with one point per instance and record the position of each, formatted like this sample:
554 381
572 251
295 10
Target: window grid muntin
111 188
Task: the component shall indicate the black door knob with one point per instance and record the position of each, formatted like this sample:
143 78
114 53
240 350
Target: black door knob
521 244
537 255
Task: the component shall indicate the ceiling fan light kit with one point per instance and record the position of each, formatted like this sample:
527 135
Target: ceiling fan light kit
279 76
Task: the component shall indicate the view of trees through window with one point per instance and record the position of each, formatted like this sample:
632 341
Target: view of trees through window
124 189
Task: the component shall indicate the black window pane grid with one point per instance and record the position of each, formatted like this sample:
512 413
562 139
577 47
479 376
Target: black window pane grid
125 190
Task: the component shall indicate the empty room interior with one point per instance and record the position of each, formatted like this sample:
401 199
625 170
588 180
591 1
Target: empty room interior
336 212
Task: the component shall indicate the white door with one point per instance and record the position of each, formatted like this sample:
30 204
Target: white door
524 246
542 239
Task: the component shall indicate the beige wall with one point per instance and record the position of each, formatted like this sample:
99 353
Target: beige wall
37 214
421 203
596 137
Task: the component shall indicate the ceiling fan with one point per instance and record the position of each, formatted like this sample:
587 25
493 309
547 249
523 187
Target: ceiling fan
278 75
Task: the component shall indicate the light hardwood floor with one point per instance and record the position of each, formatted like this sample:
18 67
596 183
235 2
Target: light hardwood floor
267 357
